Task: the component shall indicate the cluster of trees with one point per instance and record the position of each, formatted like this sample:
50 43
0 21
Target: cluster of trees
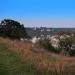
47 45
66 45
12 29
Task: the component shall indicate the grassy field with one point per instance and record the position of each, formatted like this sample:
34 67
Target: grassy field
11 63
22 58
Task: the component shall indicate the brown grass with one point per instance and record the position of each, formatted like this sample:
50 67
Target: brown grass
41 59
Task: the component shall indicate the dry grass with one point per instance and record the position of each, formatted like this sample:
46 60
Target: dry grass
41 59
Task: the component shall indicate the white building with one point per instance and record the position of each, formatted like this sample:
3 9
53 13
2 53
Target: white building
35 39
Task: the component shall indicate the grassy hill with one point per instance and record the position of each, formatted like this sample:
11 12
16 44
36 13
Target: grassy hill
23 58
11 63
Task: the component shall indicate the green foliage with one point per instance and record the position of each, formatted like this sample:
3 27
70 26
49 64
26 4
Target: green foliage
68 46
72 52
12 29
45 43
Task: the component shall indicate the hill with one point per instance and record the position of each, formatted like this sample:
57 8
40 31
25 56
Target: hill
24 58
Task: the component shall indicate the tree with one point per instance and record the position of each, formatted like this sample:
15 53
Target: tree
46 44
12 29
67 45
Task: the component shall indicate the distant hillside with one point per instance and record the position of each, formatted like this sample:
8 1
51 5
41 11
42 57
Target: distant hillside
44 32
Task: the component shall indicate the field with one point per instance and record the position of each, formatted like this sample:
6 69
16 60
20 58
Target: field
24 58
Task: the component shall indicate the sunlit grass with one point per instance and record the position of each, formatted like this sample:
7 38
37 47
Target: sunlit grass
19 58
12 64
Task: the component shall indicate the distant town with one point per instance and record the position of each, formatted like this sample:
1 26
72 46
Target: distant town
46 32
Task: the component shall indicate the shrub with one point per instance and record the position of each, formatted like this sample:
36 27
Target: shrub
45 43
68 46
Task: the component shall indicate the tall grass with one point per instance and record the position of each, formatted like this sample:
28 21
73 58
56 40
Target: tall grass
12 64
29 62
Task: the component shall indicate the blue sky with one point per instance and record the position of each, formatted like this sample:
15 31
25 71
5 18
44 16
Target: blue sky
51 13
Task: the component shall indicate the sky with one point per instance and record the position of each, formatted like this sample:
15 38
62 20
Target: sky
37 13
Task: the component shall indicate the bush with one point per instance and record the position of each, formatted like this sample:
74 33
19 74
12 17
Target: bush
68 46
72 52
45 43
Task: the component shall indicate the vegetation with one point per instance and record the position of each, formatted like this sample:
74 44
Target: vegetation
68 46
12 29
18 58
46 44
11 63
24 58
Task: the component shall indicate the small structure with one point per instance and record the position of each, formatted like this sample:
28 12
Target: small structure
35 39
